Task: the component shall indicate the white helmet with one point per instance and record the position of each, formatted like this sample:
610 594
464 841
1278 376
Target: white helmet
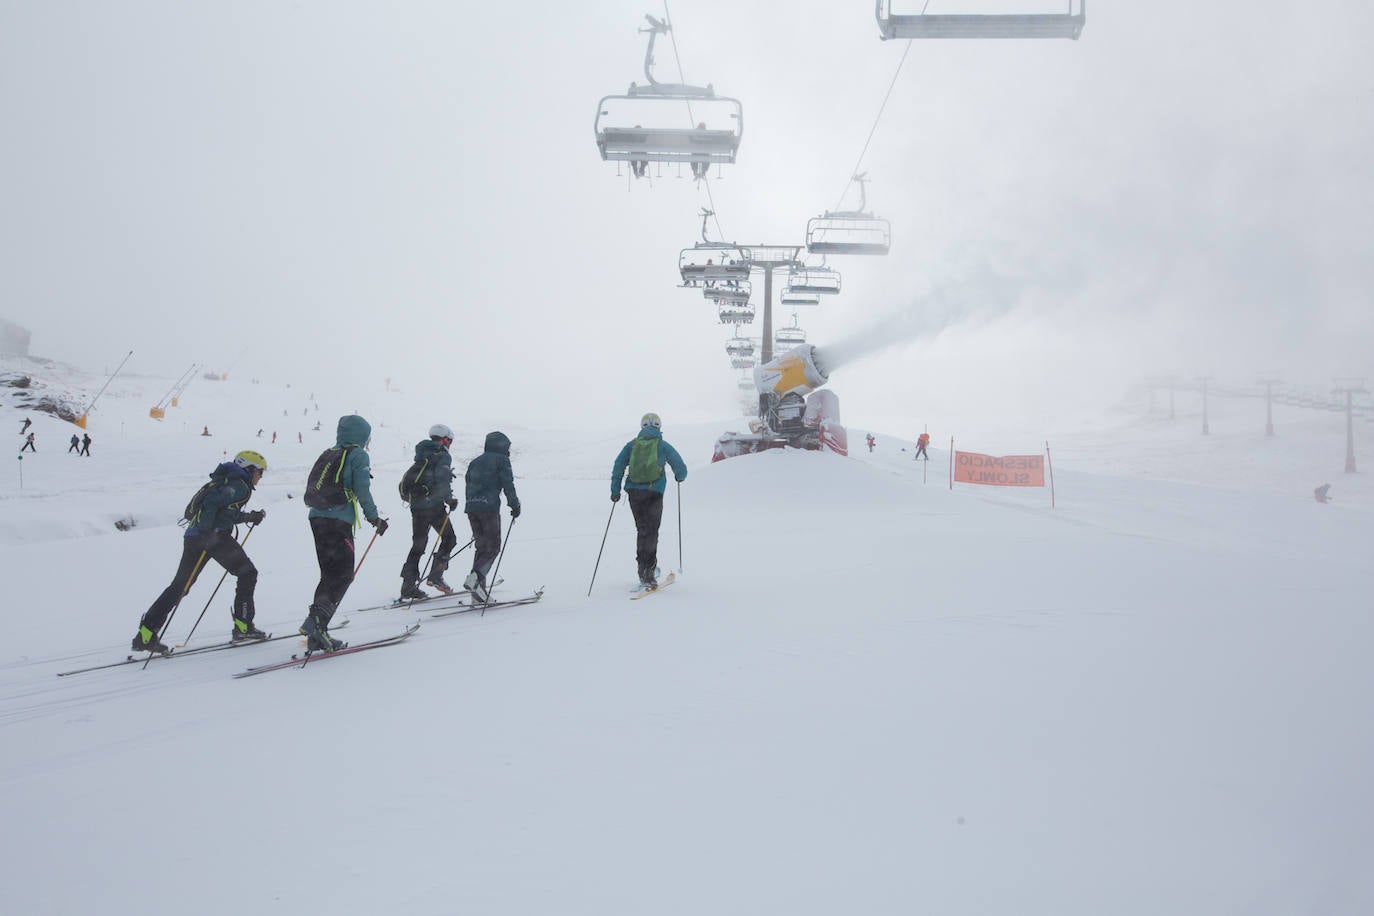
651 419
440 431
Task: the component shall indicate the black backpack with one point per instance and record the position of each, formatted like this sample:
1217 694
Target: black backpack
415 481
191 515
324 488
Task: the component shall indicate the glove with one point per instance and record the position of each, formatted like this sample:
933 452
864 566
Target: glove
452 505
380 524
615 497
255 517
514 512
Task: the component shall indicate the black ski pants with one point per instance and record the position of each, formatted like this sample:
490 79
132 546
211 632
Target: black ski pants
196 551
334 550
647 506
486 540
422 521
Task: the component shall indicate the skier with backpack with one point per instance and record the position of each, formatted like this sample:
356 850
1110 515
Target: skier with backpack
428 486
211 516
338 490
488 476
640 466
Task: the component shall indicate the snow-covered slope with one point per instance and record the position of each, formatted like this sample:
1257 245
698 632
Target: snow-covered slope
865 694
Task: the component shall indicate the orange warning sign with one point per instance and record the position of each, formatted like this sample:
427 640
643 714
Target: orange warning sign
1004 471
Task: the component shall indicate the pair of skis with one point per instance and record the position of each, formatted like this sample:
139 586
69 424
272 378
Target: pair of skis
300 661
643 592
457 594
140 658
491 605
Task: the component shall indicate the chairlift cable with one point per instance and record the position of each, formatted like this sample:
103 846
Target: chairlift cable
691 118
881 108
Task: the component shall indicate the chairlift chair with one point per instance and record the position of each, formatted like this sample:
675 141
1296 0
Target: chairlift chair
668 122
919 24
739 347
849 231
794 298
822 280
709 263
733 292
734 313
743 362
785 339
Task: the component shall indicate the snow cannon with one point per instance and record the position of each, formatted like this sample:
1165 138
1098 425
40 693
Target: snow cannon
792 413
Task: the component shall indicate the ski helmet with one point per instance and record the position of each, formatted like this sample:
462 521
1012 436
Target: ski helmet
251 461
440 431
651 419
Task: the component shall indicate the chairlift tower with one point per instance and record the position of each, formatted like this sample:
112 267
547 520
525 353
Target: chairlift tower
1206 430
1269 384
1350 388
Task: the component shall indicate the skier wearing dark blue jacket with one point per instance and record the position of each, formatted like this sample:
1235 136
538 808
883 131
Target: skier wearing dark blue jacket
488 476
212 515
640 466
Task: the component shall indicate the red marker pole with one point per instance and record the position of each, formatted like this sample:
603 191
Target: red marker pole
1050 464
951 462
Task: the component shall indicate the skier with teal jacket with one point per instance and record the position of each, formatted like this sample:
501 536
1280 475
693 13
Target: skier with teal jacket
338 491
640 467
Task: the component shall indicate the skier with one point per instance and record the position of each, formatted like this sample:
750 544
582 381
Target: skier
430 488
75 446
274 437
205 431
1322 493
86 445
643 457
349 482
871 440
921 442
488 475
212 514
25 428
28 444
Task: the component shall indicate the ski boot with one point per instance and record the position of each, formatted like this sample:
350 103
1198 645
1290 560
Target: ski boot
477 584
145 640
245 631
437 582
648 578
317 638
410 590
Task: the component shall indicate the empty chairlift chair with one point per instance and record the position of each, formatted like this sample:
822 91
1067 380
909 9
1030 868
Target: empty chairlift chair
909 19
785 339
849 231
821 281
668 122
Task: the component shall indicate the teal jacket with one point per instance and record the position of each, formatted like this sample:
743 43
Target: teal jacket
436 482
355 432
666 454
222 506
489 475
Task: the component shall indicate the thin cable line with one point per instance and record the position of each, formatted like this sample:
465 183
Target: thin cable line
890 86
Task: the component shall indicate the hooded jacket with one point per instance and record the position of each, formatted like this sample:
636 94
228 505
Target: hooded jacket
437 480
666 454
489 475
353 433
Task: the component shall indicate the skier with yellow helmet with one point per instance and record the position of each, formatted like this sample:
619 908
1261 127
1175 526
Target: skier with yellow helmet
210 519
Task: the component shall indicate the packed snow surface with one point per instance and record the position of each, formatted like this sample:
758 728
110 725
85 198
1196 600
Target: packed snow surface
865 693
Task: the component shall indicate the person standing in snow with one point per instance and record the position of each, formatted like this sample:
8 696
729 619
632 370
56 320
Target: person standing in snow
921 442
640 466
871 440
346 475
28 444
86 445
75 446
429 483
212 514
488 476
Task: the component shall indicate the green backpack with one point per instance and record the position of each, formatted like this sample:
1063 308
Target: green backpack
645 467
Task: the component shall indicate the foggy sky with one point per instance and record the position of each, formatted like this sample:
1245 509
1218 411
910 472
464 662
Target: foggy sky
412 190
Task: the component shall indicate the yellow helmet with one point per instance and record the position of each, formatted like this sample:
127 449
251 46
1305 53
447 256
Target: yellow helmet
251 461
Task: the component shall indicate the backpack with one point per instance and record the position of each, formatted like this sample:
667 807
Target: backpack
645 466
324 488
415 481
191 515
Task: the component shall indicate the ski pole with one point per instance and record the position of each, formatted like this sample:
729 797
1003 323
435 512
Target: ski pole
497 568
182 645
679 527
603 547
195 571
364 556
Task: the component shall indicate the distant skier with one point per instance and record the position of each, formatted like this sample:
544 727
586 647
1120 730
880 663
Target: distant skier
338 490
274 437
871 441
205 431
28 444
428 487
640 466
213 512
921 442
1322 493
259 432
86 445
488 476
75 446
25 428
